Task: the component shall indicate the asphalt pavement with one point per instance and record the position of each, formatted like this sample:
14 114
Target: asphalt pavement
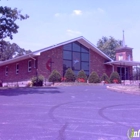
67 113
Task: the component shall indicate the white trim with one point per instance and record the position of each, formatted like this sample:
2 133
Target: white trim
29 67
80 39
17 70
6 71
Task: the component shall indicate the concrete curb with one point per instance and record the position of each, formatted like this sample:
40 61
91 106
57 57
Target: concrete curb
122 91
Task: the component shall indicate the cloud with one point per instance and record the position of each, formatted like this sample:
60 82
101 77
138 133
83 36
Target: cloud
57 14
100 10
77 12
73 33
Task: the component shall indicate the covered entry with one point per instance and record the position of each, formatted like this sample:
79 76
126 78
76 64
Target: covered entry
124 68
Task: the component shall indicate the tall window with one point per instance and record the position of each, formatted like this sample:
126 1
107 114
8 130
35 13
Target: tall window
75 56
17 68
29 66
120 57
6 71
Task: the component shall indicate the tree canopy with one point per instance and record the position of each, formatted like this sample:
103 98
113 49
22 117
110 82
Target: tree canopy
8 17
108 46
8 27
9 51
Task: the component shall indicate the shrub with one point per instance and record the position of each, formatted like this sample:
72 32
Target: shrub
55 76
37 80
81 77
94 78
114 77
69 75
105 78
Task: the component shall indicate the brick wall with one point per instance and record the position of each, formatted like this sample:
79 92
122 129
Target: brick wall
125 53
97 64
23 71
56 56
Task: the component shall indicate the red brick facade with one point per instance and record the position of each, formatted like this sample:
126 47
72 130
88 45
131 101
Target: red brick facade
97 64
57 61
38 65
126 53
23 71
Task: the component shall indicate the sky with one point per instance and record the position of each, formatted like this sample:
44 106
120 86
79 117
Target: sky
54 21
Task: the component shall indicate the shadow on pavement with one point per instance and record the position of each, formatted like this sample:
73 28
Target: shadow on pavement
26 91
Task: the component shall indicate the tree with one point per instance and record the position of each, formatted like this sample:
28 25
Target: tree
93 78
115 78
55 76
8 27
108 46
105 78
9 51
81 77
69 75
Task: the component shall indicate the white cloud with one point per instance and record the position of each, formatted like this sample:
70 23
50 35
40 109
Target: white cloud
100 10
73 33
57 14
77 12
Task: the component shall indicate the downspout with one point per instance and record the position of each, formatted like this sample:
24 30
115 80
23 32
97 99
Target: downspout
33 59
35 66
112 67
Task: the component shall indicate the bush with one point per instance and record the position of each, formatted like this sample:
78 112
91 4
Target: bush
105 78
55 76
94 78
37 80
81 77
114 77
69 75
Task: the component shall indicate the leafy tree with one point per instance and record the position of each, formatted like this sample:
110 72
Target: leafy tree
8 27
69 75
108 46
9 51
93 78
55 76
114 77
81 77
8 17
105 78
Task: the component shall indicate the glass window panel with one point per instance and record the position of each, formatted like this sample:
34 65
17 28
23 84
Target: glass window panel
84 49
76 72
67 55
76 47
85 56
85 65
87 73
76 60
67 46
66 64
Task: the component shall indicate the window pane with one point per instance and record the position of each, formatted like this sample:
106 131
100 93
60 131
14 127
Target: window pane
85 56
17 66
66 64
76 47
85 65
67 55
76 60
67 47
84 49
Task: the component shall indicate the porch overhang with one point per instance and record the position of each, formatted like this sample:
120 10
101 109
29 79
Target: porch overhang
123 62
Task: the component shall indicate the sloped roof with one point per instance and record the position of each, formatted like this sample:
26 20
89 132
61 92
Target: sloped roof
80 39
123 63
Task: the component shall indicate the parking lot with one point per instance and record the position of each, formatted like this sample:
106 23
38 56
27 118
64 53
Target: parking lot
67 113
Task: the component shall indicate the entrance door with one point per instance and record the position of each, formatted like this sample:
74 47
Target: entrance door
124 72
